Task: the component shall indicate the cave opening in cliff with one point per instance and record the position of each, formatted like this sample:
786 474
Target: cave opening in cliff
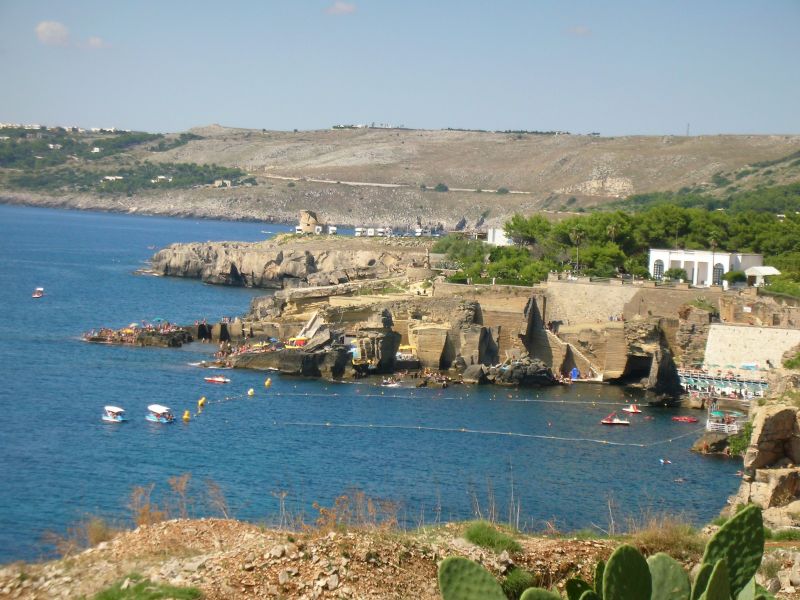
235 277
636 369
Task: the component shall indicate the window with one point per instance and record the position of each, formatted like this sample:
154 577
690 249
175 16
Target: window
717 275
658 269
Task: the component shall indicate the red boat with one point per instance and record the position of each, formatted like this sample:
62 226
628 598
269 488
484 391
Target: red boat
685 419
217 379
633 409
613 419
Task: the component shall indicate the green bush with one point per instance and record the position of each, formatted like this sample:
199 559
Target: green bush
441 187
738 443
675 273
486 535
139 588
735 276
793 363
517 581
502 190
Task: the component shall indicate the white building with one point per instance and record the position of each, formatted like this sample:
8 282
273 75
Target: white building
703 267
497 237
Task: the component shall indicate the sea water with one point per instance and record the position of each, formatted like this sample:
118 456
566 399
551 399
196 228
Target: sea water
435 454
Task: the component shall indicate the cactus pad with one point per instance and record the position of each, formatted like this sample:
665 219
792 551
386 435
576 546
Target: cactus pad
576 587
463 579
670 581
539 594
626 576
740 542
719 587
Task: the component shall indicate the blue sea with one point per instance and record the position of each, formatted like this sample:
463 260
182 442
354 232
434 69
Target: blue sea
437 454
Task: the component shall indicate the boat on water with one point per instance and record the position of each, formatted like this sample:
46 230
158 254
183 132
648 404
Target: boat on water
633 409
390 382
217 379
38 292
685 419
114 414
613 419
159 414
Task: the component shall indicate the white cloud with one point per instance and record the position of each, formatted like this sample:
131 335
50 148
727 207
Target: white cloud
96 42
580 31
339 7
52 33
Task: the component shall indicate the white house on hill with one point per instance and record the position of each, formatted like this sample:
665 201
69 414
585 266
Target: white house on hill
703 267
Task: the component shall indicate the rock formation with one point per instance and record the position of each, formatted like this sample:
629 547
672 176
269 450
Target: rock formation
272 264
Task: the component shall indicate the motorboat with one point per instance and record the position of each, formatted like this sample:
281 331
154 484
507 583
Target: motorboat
389 382
114 414
685 419
613 419
217 379
633 409
38 292
159 414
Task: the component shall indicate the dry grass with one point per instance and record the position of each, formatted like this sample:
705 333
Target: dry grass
666 533
88 532
355 509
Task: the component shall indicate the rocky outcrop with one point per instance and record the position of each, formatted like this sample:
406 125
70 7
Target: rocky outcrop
275 265
525 371
771 479
329 363
692 335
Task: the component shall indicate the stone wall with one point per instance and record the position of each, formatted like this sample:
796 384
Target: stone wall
748 307
740 344
577 302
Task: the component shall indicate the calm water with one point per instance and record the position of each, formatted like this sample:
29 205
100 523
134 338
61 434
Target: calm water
59 462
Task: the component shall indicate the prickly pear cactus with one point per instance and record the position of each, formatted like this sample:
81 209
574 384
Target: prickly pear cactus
669 580
749 591
719 587
539 594
462 579
626 576
740 542
576 587
701 581
598 578
589 595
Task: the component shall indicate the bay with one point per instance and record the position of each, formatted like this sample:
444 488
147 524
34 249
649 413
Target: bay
435 454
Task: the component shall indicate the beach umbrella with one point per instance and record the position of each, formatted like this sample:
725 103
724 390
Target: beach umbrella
157 320
717 413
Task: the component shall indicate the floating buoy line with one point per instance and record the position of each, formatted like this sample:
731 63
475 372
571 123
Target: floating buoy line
328 424
203 402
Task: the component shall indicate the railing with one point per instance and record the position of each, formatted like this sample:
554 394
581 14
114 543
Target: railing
723 427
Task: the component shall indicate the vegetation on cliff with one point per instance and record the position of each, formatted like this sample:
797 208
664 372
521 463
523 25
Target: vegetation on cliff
608 243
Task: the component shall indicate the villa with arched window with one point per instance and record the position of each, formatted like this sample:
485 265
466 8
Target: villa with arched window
702 267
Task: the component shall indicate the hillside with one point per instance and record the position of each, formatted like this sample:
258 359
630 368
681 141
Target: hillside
550 172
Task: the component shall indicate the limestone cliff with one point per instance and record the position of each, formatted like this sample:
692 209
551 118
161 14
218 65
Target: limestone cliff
273 264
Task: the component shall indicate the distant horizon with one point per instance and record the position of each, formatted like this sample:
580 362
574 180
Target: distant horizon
119 128
724 67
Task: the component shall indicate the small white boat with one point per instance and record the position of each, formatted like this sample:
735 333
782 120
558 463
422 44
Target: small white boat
159 414
390 383
38 292
217 379
633 409
114 414
613 419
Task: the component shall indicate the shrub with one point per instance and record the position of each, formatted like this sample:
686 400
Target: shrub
675 273
502 190
441 187
738 443
486 535
792 363
139 588
517 581
734 276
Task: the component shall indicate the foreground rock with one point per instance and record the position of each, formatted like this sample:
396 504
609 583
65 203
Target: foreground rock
230 559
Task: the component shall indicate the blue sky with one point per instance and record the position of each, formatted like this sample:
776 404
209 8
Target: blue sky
632 67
